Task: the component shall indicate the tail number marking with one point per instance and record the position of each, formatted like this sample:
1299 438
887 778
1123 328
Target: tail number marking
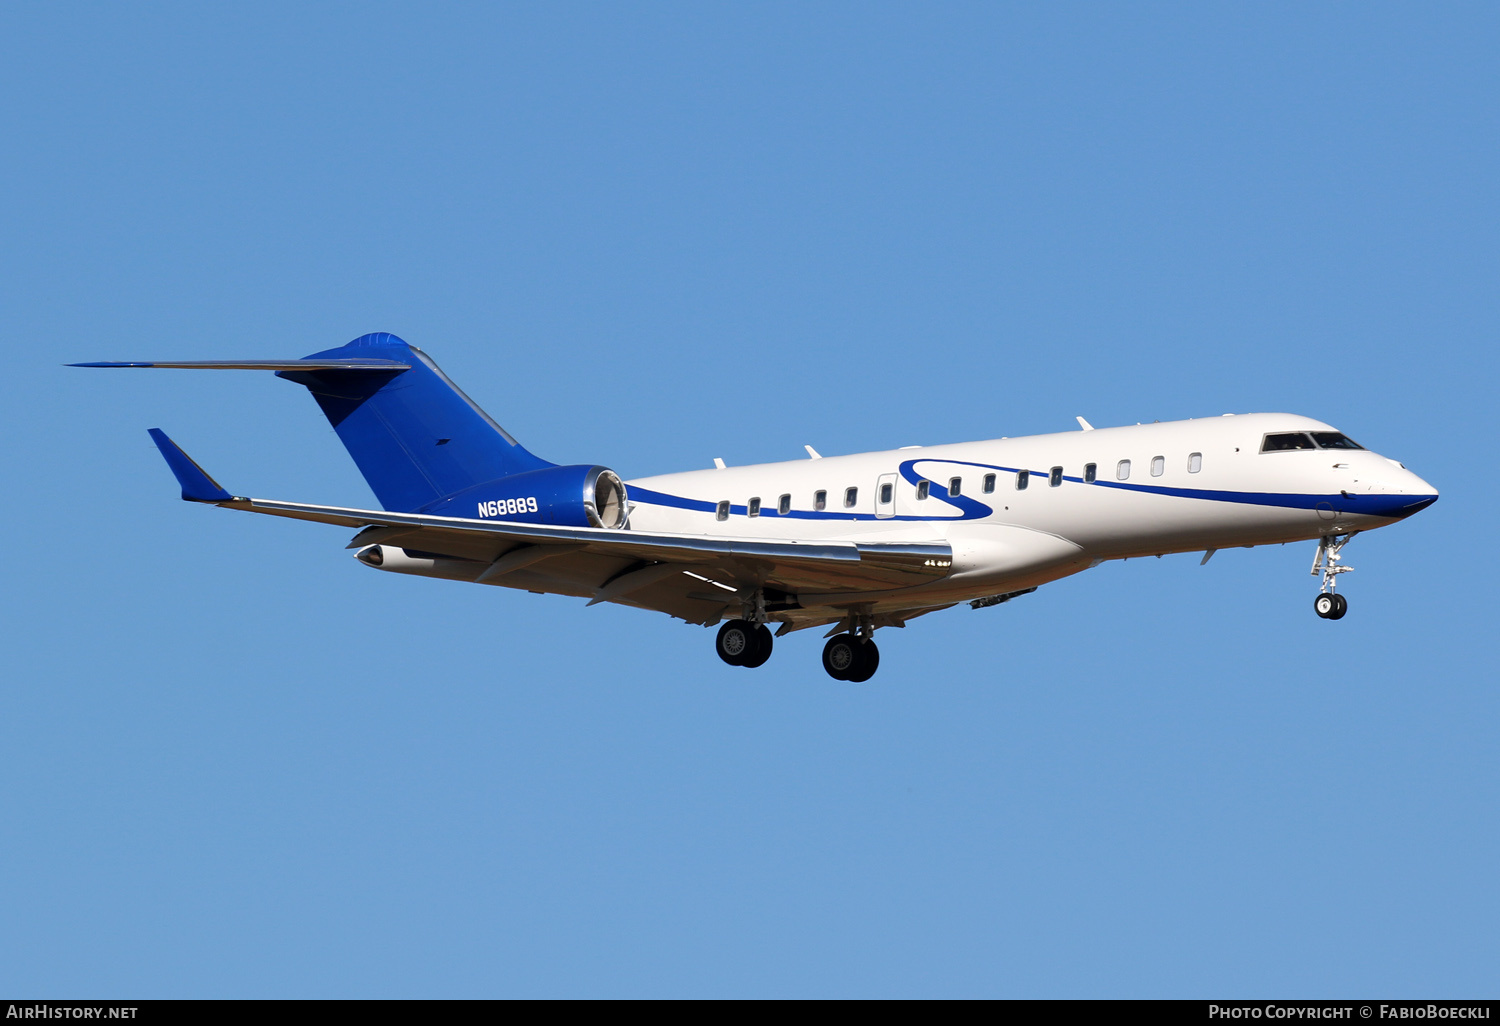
507 507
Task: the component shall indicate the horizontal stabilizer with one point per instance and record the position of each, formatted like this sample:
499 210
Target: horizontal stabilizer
197 486
270 365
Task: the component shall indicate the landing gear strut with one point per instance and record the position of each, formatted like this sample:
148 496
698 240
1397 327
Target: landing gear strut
1329 605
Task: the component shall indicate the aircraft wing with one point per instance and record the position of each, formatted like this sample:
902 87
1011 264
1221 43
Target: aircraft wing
694 577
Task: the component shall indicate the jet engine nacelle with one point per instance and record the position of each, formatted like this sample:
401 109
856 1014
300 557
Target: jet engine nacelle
393 557
562 496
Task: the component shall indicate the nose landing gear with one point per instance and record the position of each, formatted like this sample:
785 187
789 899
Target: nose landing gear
1326 563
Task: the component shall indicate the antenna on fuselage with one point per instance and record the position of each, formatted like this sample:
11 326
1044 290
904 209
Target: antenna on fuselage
812 453
719 463
1084 424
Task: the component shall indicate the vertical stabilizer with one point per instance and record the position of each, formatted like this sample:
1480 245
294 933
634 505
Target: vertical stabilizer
413 433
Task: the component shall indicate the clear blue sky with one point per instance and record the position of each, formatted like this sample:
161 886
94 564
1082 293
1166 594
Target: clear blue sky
234 762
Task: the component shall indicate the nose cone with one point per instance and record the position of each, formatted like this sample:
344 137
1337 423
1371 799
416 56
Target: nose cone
1382 487
1413 488
1417 506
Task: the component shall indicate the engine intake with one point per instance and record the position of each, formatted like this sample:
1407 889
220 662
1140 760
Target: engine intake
604 499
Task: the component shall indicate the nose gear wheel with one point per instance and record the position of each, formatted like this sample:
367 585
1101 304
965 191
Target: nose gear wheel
1331 607
1326 565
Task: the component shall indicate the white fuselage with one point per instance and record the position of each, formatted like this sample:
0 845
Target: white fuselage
1189 485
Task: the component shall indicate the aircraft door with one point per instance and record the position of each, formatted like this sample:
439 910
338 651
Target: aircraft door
885 496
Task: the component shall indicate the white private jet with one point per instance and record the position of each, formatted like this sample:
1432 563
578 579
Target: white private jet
854 543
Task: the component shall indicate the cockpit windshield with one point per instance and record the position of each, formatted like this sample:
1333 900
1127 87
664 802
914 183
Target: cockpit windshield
1286 440
1334 440
1289 440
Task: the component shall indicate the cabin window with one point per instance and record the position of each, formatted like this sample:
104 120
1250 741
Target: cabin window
1054 477
887 493
1158 465
1334 440
1090 473
851 496
1195 462
752 508
922 489
989 483
784 505
820 500
1122 470
955 485
1286 442
1023 478
722 513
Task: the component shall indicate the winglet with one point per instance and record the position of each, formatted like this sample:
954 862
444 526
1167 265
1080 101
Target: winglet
197 486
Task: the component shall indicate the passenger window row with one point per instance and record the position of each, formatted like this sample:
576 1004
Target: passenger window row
955 484
1158 467
784 503
955 487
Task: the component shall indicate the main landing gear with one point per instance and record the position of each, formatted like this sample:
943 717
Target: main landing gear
1326 563
851 657
746 641
742 643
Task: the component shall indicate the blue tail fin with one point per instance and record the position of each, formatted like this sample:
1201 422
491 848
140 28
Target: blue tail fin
414 435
